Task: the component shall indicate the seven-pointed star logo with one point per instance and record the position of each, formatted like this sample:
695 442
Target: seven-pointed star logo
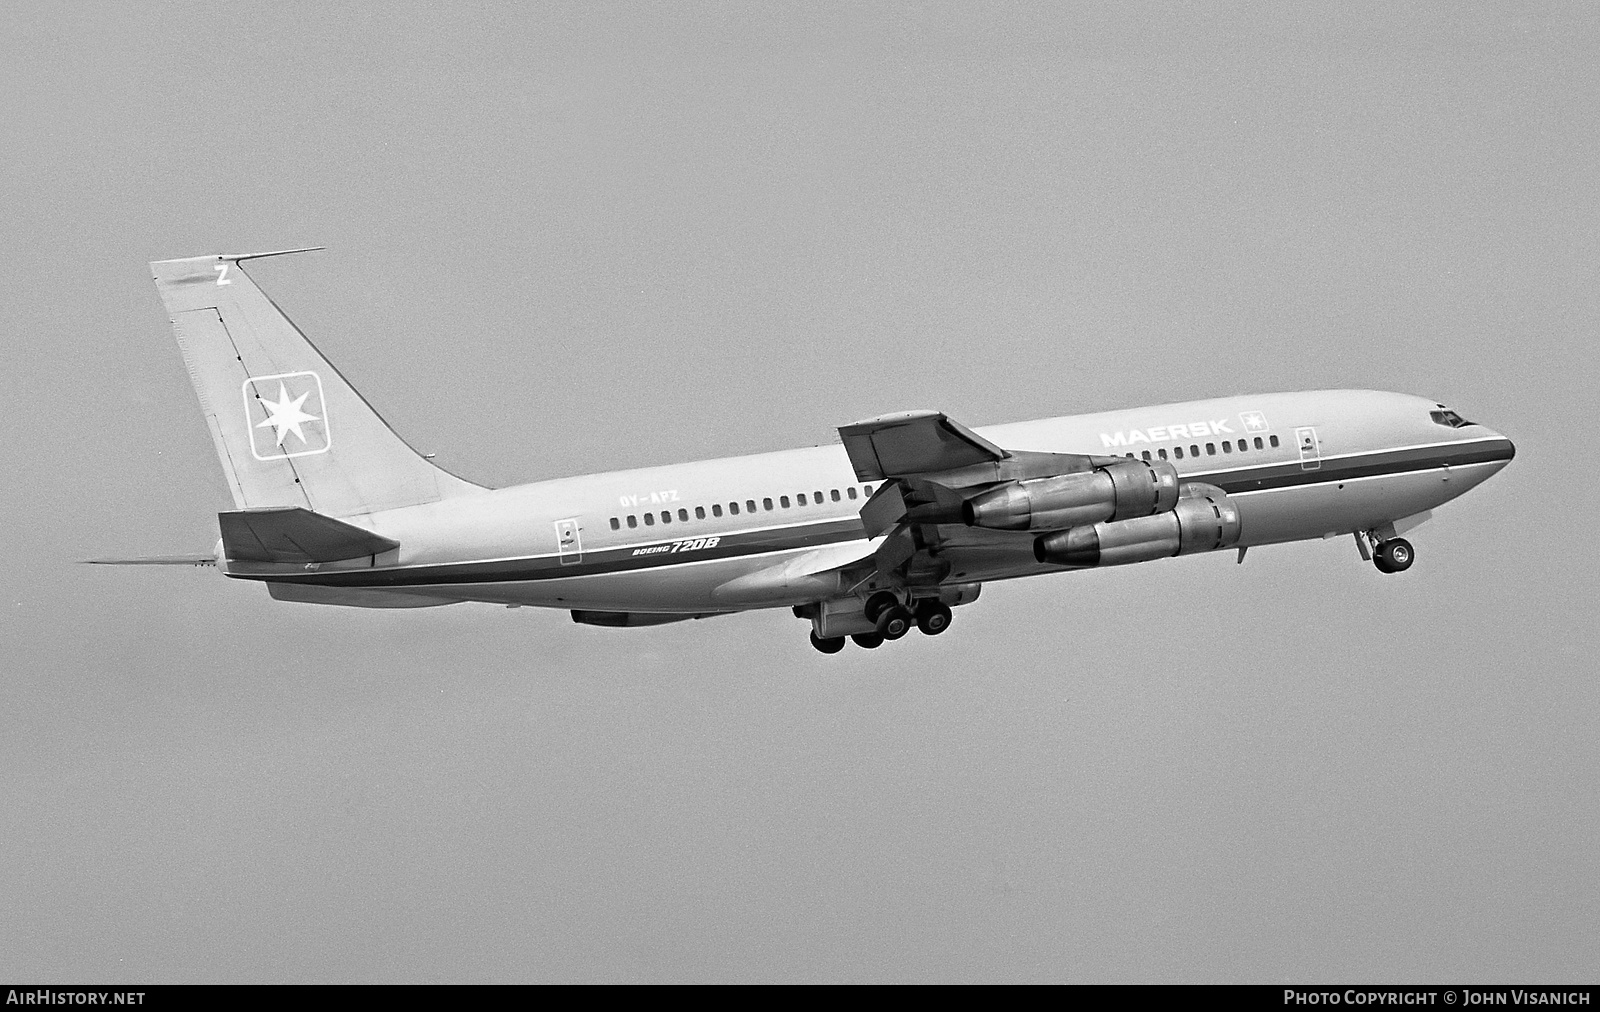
285 416
1254 421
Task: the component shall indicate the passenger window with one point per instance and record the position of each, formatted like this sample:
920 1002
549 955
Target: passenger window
733 508
835 494
1145 455
649 519
1194 449
1177 451
816 497
1243 446
1227 447
1162 453
766 504
800 500
616 524
1211 449
783 501
699 512
1274 442
716 509
684 515
869 490
750 505
666 516
1258 442
633 521
851 491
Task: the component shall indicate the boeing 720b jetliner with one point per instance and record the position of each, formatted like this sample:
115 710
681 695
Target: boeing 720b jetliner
903 521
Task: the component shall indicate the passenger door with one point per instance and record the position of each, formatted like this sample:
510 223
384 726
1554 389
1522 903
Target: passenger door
569 541
1310 455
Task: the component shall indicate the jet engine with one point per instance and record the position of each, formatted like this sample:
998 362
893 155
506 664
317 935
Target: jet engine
1128 488
1203 520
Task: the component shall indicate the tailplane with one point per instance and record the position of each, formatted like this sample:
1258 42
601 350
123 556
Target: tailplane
289 430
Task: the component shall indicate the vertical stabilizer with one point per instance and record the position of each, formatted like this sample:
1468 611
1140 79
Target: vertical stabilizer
289 430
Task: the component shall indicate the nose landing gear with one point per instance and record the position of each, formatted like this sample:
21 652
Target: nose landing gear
1389 553
1393 556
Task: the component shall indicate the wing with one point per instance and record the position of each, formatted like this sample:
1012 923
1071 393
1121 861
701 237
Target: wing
930 465
914 442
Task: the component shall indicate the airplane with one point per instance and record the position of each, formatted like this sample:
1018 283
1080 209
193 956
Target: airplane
902 521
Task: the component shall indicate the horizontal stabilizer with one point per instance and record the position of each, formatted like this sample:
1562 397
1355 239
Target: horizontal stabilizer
293 534
157 560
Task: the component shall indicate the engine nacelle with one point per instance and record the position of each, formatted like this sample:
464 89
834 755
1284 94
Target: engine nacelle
1128 488
1203 520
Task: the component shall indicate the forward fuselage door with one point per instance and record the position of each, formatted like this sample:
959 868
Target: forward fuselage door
1310 455
569 542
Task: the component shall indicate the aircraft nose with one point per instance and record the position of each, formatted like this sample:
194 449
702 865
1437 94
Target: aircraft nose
1501 448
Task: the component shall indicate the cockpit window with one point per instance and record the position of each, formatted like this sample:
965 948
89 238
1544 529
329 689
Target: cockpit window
1449 418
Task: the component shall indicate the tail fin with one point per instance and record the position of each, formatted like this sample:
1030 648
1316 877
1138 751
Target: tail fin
289 430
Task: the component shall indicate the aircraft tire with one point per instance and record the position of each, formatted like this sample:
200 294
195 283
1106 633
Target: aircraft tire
870 641
894 622
879 603
933 617
1394 556
827 644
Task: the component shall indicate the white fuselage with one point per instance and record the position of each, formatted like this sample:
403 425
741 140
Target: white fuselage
675 539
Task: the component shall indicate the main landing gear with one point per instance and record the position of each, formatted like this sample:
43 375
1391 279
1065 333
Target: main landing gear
830 645
894 619
891 620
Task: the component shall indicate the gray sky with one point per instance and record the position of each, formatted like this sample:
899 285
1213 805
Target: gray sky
574 238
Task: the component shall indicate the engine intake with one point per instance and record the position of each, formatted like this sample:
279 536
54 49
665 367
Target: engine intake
1128 488
1203 520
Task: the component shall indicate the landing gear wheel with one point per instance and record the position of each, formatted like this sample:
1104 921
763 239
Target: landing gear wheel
1394 556
870 641
933 617
827 644
894 622
879 603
